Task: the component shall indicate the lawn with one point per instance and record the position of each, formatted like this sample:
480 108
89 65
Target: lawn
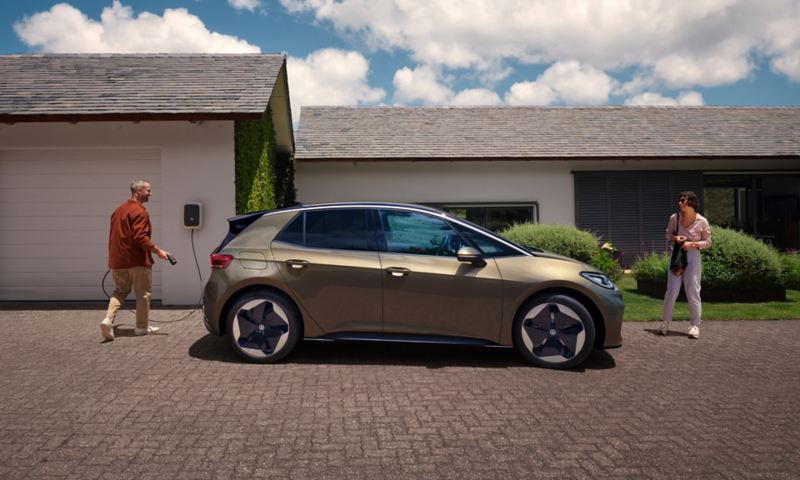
639 308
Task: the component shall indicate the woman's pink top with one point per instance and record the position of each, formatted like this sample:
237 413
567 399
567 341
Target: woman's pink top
699 231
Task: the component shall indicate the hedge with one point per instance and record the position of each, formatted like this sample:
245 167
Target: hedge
568 241
264 178
791 269
734 262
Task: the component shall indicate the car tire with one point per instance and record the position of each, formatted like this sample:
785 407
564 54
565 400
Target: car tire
554 331
263 326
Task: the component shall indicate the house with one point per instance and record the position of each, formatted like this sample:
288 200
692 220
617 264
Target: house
75 130
614 170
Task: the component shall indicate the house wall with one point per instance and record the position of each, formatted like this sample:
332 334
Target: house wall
550 183
197 165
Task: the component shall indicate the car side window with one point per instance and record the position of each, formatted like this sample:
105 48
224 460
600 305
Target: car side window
344 229
293 232
488 246
415 233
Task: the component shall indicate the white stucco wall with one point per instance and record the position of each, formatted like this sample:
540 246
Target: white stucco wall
197 165
547 182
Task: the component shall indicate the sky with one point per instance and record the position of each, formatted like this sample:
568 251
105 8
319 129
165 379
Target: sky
455 52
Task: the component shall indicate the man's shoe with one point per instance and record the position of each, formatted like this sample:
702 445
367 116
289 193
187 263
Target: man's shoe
107 329
145 331
694 332
663 329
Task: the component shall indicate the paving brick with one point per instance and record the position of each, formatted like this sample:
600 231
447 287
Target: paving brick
181 405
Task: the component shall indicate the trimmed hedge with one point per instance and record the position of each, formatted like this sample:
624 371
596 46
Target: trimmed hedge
791 270
568 241
264 179
735 262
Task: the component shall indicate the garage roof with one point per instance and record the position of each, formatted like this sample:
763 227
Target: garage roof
473 133
142 87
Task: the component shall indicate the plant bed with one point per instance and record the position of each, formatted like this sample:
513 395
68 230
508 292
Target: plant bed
656 289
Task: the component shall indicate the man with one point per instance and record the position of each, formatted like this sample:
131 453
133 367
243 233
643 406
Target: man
130 260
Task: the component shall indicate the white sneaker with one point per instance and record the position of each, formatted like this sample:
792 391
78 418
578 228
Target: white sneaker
107 329
694 332
663 329
145 331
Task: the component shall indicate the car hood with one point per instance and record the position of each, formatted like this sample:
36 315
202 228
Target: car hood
555 256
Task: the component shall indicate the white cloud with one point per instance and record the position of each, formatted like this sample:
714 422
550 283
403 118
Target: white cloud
690 98
425 84
251 5
569 82
330 77
530 93
784 41
679 43
475 97
420 84
65 29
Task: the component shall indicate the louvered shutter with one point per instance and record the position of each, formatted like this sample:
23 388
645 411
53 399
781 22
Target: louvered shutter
631 209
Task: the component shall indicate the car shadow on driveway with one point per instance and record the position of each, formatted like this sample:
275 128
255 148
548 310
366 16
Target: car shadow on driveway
215 349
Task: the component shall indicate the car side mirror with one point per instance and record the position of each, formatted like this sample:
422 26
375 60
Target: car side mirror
470 255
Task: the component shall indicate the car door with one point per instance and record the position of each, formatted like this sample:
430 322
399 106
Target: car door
426 289
328 259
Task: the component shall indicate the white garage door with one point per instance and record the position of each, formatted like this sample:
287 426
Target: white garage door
55 206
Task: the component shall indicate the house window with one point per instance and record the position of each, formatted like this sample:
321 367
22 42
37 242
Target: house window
494 216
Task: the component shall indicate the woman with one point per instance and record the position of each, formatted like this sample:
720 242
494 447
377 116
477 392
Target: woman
694 234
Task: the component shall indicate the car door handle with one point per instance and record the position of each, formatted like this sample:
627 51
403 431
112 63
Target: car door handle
296 264
397 271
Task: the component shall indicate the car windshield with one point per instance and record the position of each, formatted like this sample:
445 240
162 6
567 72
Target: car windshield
490 233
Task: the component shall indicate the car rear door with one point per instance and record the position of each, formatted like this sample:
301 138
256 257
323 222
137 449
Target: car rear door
426 289
329 260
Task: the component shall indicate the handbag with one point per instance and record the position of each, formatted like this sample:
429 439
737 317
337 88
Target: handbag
678 260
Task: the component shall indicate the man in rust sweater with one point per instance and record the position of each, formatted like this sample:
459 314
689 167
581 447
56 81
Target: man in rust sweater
130 260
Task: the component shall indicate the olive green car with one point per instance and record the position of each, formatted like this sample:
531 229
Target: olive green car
402 273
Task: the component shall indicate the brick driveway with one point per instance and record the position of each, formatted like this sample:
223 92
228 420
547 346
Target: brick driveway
181 405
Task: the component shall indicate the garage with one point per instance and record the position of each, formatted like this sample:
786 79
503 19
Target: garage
55 206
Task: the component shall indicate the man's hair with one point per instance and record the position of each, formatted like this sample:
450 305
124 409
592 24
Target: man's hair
691 199
137 184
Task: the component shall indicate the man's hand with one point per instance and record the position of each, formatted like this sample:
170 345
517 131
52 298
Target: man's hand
162 254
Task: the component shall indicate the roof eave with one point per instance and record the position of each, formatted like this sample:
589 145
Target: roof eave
301 158
127 117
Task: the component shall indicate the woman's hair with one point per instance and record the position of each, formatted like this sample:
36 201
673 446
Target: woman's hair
691 199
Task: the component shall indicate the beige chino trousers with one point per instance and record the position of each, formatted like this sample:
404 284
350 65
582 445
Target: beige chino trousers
140 279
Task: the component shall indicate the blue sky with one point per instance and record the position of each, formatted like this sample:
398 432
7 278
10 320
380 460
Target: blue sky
456 52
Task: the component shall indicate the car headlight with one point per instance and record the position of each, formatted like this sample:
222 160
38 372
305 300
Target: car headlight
599 279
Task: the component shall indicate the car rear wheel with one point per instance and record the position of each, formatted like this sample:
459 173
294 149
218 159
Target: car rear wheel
554 331
263 326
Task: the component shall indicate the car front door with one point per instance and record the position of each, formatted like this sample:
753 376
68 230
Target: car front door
328 259
426 289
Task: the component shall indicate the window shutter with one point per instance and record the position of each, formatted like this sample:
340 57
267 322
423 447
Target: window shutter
631 209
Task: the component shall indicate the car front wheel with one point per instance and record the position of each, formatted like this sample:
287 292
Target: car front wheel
263 326
554 331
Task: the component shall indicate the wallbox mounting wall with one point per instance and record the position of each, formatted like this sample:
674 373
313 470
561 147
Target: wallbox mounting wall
192 215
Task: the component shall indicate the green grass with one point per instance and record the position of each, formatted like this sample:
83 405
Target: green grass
641 308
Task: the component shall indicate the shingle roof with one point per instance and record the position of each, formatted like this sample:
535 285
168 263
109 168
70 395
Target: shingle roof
546 132
205 86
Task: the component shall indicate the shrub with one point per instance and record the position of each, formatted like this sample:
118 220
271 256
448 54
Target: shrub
791 269
606 263
567 241
735 261
652 268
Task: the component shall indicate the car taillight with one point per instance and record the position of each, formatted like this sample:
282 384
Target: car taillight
220 260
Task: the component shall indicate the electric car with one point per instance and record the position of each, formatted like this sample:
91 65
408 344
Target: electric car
401 273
